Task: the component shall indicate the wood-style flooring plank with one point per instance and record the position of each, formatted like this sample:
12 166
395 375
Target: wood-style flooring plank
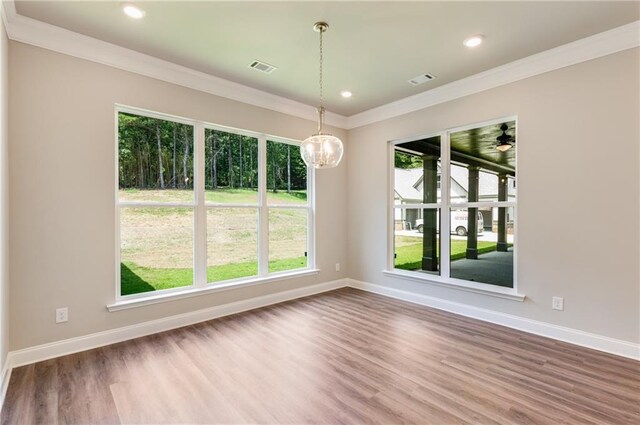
342 357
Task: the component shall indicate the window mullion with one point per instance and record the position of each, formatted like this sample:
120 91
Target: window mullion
200 213
118 246
445 196
263 210
311 219
391 246
118 270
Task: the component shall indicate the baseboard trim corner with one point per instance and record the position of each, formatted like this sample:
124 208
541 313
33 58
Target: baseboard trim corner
86 342
4 380
560 333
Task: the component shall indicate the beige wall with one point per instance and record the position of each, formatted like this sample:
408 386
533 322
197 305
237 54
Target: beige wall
578 185
62 231
572 183
4 196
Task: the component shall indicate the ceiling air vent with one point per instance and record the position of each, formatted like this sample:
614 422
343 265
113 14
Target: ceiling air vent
423 78
261 66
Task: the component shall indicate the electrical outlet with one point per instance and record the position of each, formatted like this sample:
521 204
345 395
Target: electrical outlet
62 315
557 303
337 267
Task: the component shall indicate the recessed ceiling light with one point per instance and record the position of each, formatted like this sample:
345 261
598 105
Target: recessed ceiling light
473 41
346 94
132 11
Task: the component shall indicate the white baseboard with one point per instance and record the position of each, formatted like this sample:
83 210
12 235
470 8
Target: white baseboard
4 380
99 339
572 336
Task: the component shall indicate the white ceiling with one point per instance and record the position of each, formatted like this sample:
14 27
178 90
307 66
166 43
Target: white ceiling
371 48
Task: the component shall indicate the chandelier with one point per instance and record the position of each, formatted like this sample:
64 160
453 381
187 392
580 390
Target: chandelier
321 150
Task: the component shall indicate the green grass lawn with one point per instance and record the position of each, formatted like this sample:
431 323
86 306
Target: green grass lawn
157 243
136 279
221 195
247 196
409 251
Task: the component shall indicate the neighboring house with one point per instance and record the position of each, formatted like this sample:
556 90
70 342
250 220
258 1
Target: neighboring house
407 190
408 185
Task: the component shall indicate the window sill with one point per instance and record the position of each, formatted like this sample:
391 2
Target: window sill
475 287
156 298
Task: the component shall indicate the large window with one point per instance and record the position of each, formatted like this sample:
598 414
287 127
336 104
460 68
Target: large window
460 181
200 205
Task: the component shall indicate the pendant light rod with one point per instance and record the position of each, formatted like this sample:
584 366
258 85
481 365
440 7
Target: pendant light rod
321 27
320 119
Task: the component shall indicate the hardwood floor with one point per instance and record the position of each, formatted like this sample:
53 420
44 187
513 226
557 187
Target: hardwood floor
345 356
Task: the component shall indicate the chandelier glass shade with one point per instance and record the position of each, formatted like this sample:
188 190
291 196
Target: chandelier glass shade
322 151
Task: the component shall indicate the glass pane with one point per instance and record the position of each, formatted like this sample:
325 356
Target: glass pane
511 191
416 240
287 239
286 174
480 172
487 185
417 172
156 249
232 243
488 189
155 160
231 168
459 183
482 256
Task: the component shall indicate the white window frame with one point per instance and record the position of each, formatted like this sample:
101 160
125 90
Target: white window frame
445 205
200 208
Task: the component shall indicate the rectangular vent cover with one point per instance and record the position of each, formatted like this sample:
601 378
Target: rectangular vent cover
421 79
262 66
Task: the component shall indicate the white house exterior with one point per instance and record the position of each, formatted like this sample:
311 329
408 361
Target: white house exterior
408 184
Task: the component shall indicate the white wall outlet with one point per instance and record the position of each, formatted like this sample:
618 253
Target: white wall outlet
62 315
337 267
557 303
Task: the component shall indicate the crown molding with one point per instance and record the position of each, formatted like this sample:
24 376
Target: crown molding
595 46
26 30
30 31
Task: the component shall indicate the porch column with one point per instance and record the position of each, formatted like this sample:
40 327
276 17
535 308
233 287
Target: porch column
472 213
430 216
503 183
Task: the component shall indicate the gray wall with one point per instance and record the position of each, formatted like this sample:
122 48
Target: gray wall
62 179
4 196
578 185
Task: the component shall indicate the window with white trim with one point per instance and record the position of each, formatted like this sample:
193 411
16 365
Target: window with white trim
199 205
457 180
